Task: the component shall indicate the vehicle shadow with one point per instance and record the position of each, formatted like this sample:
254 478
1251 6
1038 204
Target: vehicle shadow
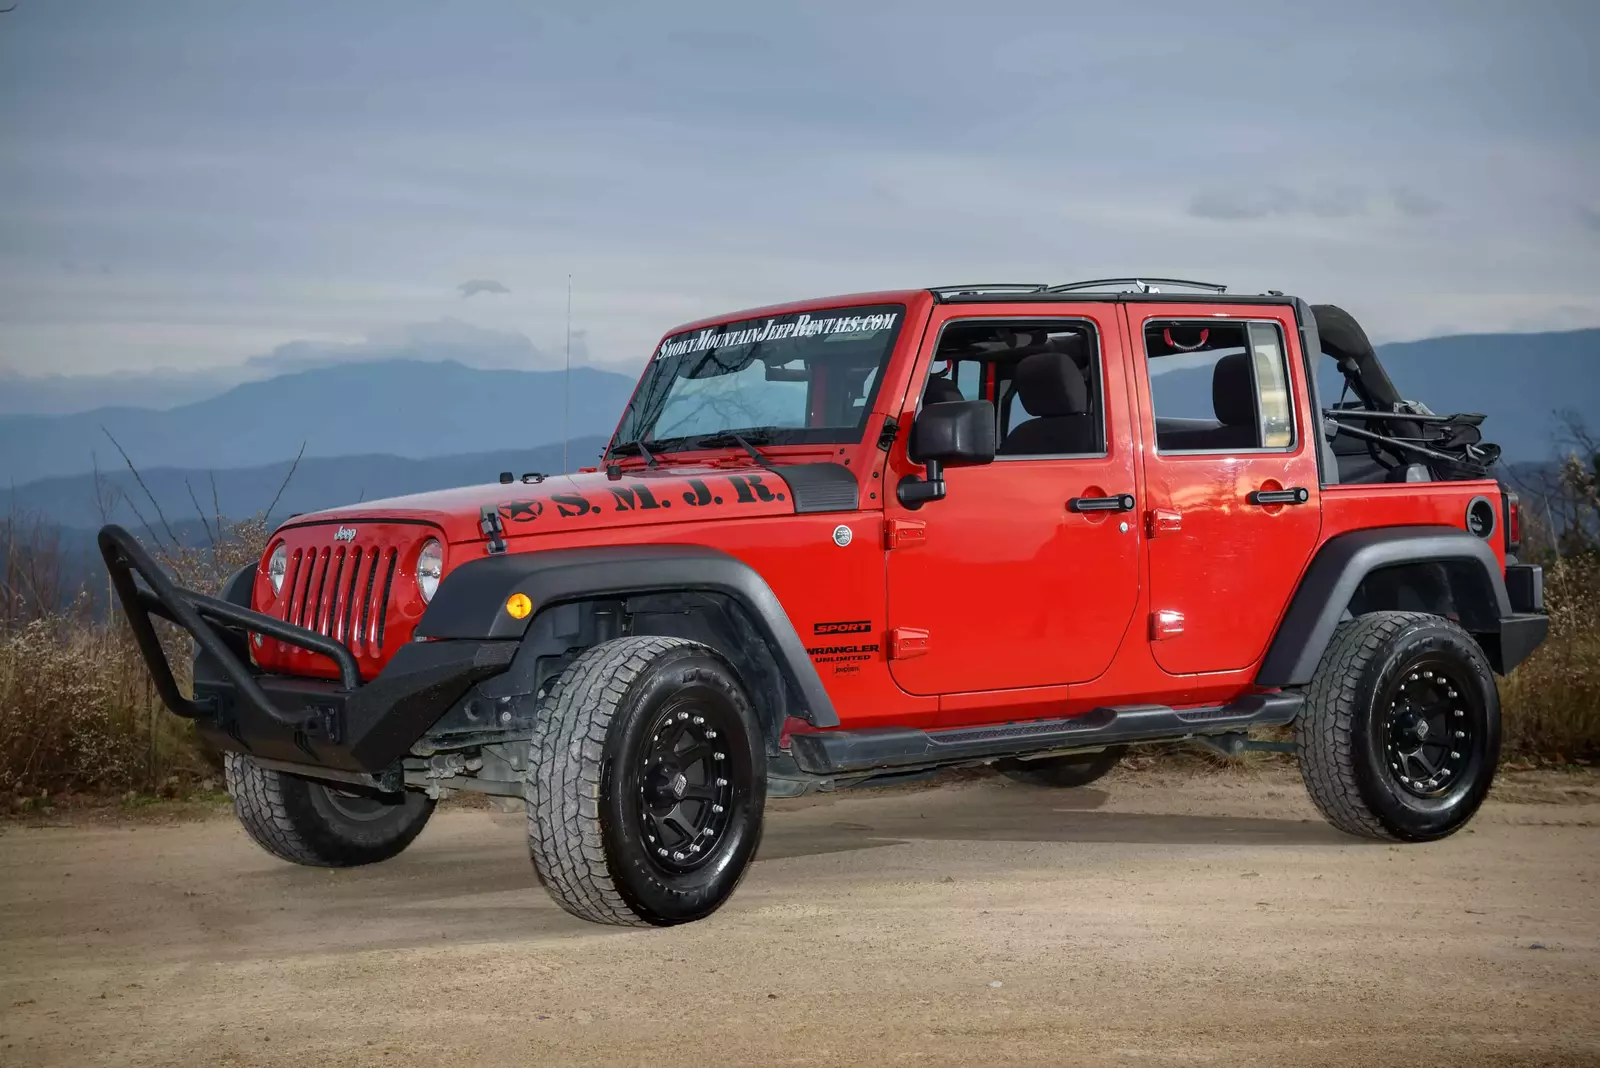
447 890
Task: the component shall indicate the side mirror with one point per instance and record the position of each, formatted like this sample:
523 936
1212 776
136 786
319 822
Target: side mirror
953 433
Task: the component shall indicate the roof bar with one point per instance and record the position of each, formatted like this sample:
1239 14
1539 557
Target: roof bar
990 287
1146 285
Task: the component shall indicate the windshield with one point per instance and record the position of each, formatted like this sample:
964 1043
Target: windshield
805 378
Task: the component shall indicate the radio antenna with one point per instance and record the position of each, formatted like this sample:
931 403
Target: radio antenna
566 382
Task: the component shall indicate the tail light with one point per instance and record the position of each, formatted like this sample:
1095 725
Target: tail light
1512 507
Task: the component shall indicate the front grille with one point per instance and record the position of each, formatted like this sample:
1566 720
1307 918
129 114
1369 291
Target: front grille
357 592
335 590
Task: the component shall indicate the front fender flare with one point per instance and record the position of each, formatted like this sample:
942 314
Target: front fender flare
1338 569
471 601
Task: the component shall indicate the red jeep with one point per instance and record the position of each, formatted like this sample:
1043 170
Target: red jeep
840 541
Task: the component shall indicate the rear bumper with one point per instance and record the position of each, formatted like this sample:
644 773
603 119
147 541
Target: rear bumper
348 725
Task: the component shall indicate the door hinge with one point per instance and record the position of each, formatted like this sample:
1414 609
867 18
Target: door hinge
907 642
900 533
1165 623
1158 521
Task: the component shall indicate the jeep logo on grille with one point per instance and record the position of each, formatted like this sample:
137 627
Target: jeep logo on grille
345 534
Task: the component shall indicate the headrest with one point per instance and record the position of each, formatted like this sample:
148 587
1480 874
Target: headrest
939 390
1050 383
1233 392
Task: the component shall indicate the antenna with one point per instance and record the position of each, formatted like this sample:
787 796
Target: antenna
566 383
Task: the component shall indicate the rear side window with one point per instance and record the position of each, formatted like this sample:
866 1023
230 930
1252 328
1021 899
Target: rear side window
1219 387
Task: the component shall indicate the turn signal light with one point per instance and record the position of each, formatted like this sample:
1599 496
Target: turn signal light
518 606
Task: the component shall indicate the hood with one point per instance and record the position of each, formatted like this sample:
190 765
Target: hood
592 500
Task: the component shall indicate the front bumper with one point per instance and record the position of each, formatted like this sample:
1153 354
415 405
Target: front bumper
348 725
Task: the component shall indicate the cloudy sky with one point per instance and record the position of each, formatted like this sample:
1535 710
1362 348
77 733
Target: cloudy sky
190 185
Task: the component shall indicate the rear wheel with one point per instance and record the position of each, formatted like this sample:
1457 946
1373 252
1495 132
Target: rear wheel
646 783
1401 731
308 822
1063 772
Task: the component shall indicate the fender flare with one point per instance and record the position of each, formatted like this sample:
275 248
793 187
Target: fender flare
471 601
1338 569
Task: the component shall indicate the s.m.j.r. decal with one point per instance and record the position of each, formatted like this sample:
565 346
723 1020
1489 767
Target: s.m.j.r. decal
639 496
848 626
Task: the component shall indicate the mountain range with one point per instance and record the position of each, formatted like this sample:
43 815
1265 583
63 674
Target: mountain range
386 427
404 408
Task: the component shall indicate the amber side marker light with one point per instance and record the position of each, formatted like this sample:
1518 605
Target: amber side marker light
519 606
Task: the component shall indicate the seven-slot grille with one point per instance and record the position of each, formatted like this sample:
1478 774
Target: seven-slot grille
342 591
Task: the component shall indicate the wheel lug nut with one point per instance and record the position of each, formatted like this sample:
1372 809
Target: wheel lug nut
722 782
661 852
716 808
1461 734
677 856
1459 713
1454 755
711 734
683 715
719 756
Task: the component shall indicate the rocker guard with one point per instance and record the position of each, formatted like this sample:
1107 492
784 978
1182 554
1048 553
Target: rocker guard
347 725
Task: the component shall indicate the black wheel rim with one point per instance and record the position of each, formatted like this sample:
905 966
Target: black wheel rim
1434 728
686 786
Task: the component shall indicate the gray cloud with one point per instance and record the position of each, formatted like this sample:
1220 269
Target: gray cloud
445 339
1589 214
1414 203
481 285
1334 202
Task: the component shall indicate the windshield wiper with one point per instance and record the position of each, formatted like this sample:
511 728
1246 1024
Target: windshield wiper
731 437
638 446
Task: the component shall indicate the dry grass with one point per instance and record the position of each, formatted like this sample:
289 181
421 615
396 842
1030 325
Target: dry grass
1552 702
78 712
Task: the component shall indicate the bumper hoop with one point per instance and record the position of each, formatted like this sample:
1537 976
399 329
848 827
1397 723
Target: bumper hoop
218 628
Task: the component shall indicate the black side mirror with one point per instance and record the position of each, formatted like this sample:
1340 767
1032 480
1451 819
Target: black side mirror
953 433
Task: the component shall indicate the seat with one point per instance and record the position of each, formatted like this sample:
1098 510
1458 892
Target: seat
1054 392
1233 401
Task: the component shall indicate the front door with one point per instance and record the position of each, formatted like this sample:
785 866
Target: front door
1232 498
1026 573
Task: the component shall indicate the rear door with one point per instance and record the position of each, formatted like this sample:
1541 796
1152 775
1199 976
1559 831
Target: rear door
1011 586
1232 501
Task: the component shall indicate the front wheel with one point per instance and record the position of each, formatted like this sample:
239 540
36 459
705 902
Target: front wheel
1400 733
646 783
308 822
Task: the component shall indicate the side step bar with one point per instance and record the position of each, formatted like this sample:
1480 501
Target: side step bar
832 752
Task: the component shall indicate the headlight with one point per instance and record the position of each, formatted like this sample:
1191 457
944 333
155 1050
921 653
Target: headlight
277 567
430 567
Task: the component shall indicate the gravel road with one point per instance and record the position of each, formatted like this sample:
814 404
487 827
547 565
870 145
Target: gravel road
1162 919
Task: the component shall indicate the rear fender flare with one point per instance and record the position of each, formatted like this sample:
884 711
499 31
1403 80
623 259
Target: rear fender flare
471 601
1344 561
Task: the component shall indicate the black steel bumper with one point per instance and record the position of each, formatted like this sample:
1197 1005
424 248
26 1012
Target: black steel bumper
349 724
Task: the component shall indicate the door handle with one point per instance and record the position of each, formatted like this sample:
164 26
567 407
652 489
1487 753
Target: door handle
1122 502
1292 495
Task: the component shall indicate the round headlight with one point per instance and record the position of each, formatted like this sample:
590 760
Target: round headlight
430 568
277 567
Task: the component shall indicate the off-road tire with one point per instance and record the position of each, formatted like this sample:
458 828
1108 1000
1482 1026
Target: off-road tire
1343 735
307 822
587 821
1063 772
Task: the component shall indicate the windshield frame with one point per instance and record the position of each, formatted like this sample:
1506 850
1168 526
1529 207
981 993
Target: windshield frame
691 344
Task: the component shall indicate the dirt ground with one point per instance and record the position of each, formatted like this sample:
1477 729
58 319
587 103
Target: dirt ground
1164 919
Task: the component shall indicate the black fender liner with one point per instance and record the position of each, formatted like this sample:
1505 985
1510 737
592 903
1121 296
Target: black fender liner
1342 563
471 601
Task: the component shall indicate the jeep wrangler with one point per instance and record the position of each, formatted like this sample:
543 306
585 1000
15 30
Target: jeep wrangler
844 541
